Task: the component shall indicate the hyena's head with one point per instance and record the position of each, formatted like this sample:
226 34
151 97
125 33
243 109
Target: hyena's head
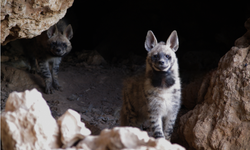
161 56
58 42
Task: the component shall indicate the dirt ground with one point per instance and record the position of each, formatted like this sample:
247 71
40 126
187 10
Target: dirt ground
91 86
93 91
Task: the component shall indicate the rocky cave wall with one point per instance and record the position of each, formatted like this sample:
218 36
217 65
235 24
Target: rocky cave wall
27 19
222 120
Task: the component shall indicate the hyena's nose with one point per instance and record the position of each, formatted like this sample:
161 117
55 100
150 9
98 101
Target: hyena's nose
58 50
161 62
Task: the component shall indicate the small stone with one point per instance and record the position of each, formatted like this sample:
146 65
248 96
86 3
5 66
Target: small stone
73 97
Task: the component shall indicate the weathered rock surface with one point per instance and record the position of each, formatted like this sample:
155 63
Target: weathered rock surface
125 138
27 19
27 123
222 121
71 128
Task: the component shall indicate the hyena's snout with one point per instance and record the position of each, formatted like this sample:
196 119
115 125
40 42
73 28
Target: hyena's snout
58 50
161 62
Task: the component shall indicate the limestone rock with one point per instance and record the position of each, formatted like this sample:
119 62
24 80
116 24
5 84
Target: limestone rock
222 121
244 41
125 138
27 123
71 128
27 19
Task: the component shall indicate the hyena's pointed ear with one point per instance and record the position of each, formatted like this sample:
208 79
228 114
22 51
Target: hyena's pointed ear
68 32
151 41
52 31
173 41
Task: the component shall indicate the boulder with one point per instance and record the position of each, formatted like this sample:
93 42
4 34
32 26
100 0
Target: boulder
222 120
27 19
71 128
27 123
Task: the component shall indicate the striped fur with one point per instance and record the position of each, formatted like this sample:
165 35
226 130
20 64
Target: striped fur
154 95
49 48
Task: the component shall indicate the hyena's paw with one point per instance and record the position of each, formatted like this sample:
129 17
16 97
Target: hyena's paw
57 86
158 135
49 89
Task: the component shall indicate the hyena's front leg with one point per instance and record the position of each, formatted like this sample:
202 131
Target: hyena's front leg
156 123
45 73
55 70
168 123
128 116
33 67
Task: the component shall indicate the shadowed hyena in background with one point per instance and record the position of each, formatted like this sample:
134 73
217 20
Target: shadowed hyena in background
156 94
49 48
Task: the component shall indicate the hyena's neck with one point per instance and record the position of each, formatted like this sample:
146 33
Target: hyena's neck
161 79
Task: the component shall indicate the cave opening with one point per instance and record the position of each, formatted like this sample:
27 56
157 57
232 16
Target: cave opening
117 31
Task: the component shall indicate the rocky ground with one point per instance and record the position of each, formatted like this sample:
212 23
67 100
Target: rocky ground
93 91
91 86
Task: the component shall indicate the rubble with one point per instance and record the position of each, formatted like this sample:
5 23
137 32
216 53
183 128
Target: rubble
125 138
27 123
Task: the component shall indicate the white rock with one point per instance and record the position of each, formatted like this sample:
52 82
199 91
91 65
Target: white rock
71 128
27 123
125 138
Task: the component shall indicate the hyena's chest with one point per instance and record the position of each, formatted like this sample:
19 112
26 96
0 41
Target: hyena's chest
48 62
162 101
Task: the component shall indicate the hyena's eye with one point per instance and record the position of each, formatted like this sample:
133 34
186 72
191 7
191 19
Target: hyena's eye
53 44
64 45
155 56
168 56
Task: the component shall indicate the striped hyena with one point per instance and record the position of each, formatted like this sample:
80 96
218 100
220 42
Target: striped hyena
154 95
49 48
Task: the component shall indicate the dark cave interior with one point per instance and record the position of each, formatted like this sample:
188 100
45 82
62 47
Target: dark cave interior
119 28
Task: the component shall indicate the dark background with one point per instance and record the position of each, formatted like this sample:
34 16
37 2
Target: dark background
118 28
